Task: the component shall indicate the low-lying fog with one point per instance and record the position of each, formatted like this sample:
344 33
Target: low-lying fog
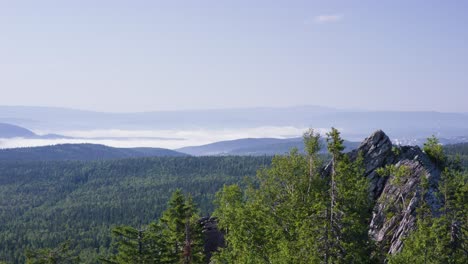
171 139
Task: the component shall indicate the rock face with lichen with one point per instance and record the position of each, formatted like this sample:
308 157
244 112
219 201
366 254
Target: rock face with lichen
397 197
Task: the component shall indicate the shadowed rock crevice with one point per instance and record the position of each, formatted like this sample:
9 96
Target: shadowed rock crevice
213 238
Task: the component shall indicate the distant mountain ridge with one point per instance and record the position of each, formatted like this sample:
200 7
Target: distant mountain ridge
82 152
11 131
355 124
255 147
14 131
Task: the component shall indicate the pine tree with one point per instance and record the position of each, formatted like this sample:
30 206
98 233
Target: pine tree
137 245
176 238
312 146
59 255
194 241
332 238
353 206
348 207
182 233
435 151
173 222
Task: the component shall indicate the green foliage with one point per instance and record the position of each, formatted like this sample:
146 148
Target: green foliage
43 204
59 255
396 150
266 224
457 153
255 231
353 205
434 150
284 219
435 240
176 238
181 231
348 207
398 173
137 245
174 220
335 143
312 144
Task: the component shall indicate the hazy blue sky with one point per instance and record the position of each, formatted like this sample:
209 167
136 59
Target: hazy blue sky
151 55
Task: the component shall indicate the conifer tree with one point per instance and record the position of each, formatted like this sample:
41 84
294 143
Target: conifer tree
434 150
62 254
181 231
137 245
312 146
332 247
173 222
286 219
176 238
348 207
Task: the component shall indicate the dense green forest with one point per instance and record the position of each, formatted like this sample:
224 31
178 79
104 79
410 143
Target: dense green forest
458 151
43 204
122 209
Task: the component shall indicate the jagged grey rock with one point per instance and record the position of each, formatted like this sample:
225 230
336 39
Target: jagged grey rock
394 214
377 152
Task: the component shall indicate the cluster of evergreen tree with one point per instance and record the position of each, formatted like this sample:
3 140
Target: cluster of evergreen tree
176 238
299 214
296 215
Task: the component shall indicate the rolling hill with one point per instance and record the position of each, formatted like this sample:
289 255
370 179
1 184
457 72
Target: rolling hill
12 131
254 147
82 152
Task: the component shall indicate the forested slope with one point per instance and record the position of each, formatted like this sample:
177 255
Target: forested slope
458 151
45 203
82 152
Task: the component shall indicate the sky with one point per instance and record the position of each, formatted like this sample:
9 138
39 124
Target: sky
132 56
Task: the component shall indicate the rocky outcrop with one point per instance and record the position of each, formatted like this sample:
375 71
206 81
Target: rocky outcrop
377 152
397 196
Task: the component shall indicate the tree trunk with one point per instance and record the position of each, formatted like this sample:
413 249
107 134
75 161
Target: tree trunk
188 246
